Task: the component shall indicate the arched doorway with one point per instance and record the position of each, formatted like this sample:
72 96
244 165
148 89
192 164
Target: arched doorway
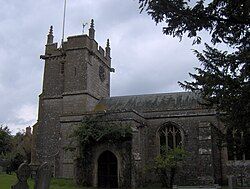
107 170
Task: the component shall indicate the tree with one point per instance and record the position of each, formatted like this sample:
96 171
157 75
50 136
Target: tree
223 79
5 140
14 150
22 145
167 163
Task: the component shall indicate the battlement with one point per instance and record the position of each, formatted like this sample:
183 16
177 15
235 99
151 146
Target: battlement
77 42
77 64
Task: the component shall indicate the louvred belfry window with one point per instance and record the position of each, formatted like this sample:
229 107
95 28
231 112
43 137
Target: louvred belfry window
62 68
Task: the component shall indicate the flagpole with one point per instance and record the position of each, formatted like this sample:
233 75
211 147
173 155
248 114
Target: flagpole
64 15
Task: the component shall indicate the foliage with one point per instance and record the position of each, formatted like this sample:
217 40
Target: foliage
22 145
92 130
226 20
14 150
5 140
223 79
15 162
166 164
224 82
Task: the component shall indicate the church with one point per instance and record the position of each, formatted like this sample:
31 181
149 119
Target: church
76 85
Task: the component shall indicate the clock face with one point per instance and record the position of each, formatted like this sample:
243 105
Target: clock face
102 73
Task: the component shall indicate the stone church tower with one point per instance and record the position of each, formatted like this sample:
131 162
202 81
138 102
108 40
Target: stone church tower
76 77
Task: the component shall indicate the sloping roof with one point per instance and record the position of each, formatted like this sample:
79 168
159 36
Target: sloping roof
151 102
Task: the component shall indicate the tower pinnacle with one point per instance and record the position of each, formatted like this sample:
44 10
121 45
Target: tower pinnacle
51 30
108 44
108 49
92 23
50 36
92 30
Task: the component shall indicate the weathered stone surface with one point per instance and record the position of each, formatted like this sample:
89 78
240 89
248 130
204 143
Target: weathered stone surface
71 74
42 180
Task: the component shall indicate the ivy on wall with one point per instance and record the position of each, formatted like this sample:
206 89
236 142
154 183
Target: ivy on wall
91 131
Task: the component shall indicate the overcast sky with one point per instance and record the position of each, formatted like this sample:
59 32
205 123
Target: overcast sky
145 60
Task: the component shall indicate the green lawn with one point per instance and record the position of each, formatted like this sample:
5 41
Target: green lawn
7 180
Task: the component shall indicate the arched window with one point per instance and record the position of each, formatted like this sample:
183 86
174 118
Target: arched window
170 137
238 144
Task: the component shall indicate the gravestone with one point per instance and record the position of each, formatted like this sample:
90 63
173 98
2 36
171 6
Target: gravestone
23 173
238 182
43 176
230 182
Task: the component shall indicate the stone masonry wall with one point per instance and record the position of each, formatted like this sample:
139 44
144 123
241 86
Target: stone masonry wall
198 168
48 131
69 88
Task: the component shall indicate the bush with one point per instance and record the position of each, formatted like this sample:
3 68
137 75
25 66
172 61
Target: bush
167 163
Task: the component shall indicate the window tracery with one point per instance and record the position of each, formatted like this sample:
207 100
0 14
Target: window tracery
238 143
170 137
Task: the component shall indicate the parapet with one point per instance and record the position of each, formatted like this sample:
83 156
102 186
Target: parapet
77 42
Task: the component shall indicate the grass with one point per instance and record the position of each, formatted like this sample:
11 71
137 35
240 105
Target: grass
7 180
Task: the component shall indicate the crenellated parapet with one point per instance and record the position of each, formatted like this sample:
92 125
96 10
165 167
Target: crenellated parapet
77 42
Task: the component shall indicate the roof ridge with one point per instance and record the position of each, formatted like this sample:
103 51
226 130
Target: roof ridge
153 94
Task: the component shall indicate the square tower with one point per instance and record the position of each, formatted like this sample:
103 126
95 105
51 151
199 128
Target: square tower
76 77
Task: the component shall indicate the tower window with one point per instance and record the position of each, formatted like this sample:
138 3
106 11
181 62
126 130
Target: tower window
170 138
238 144
62 68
